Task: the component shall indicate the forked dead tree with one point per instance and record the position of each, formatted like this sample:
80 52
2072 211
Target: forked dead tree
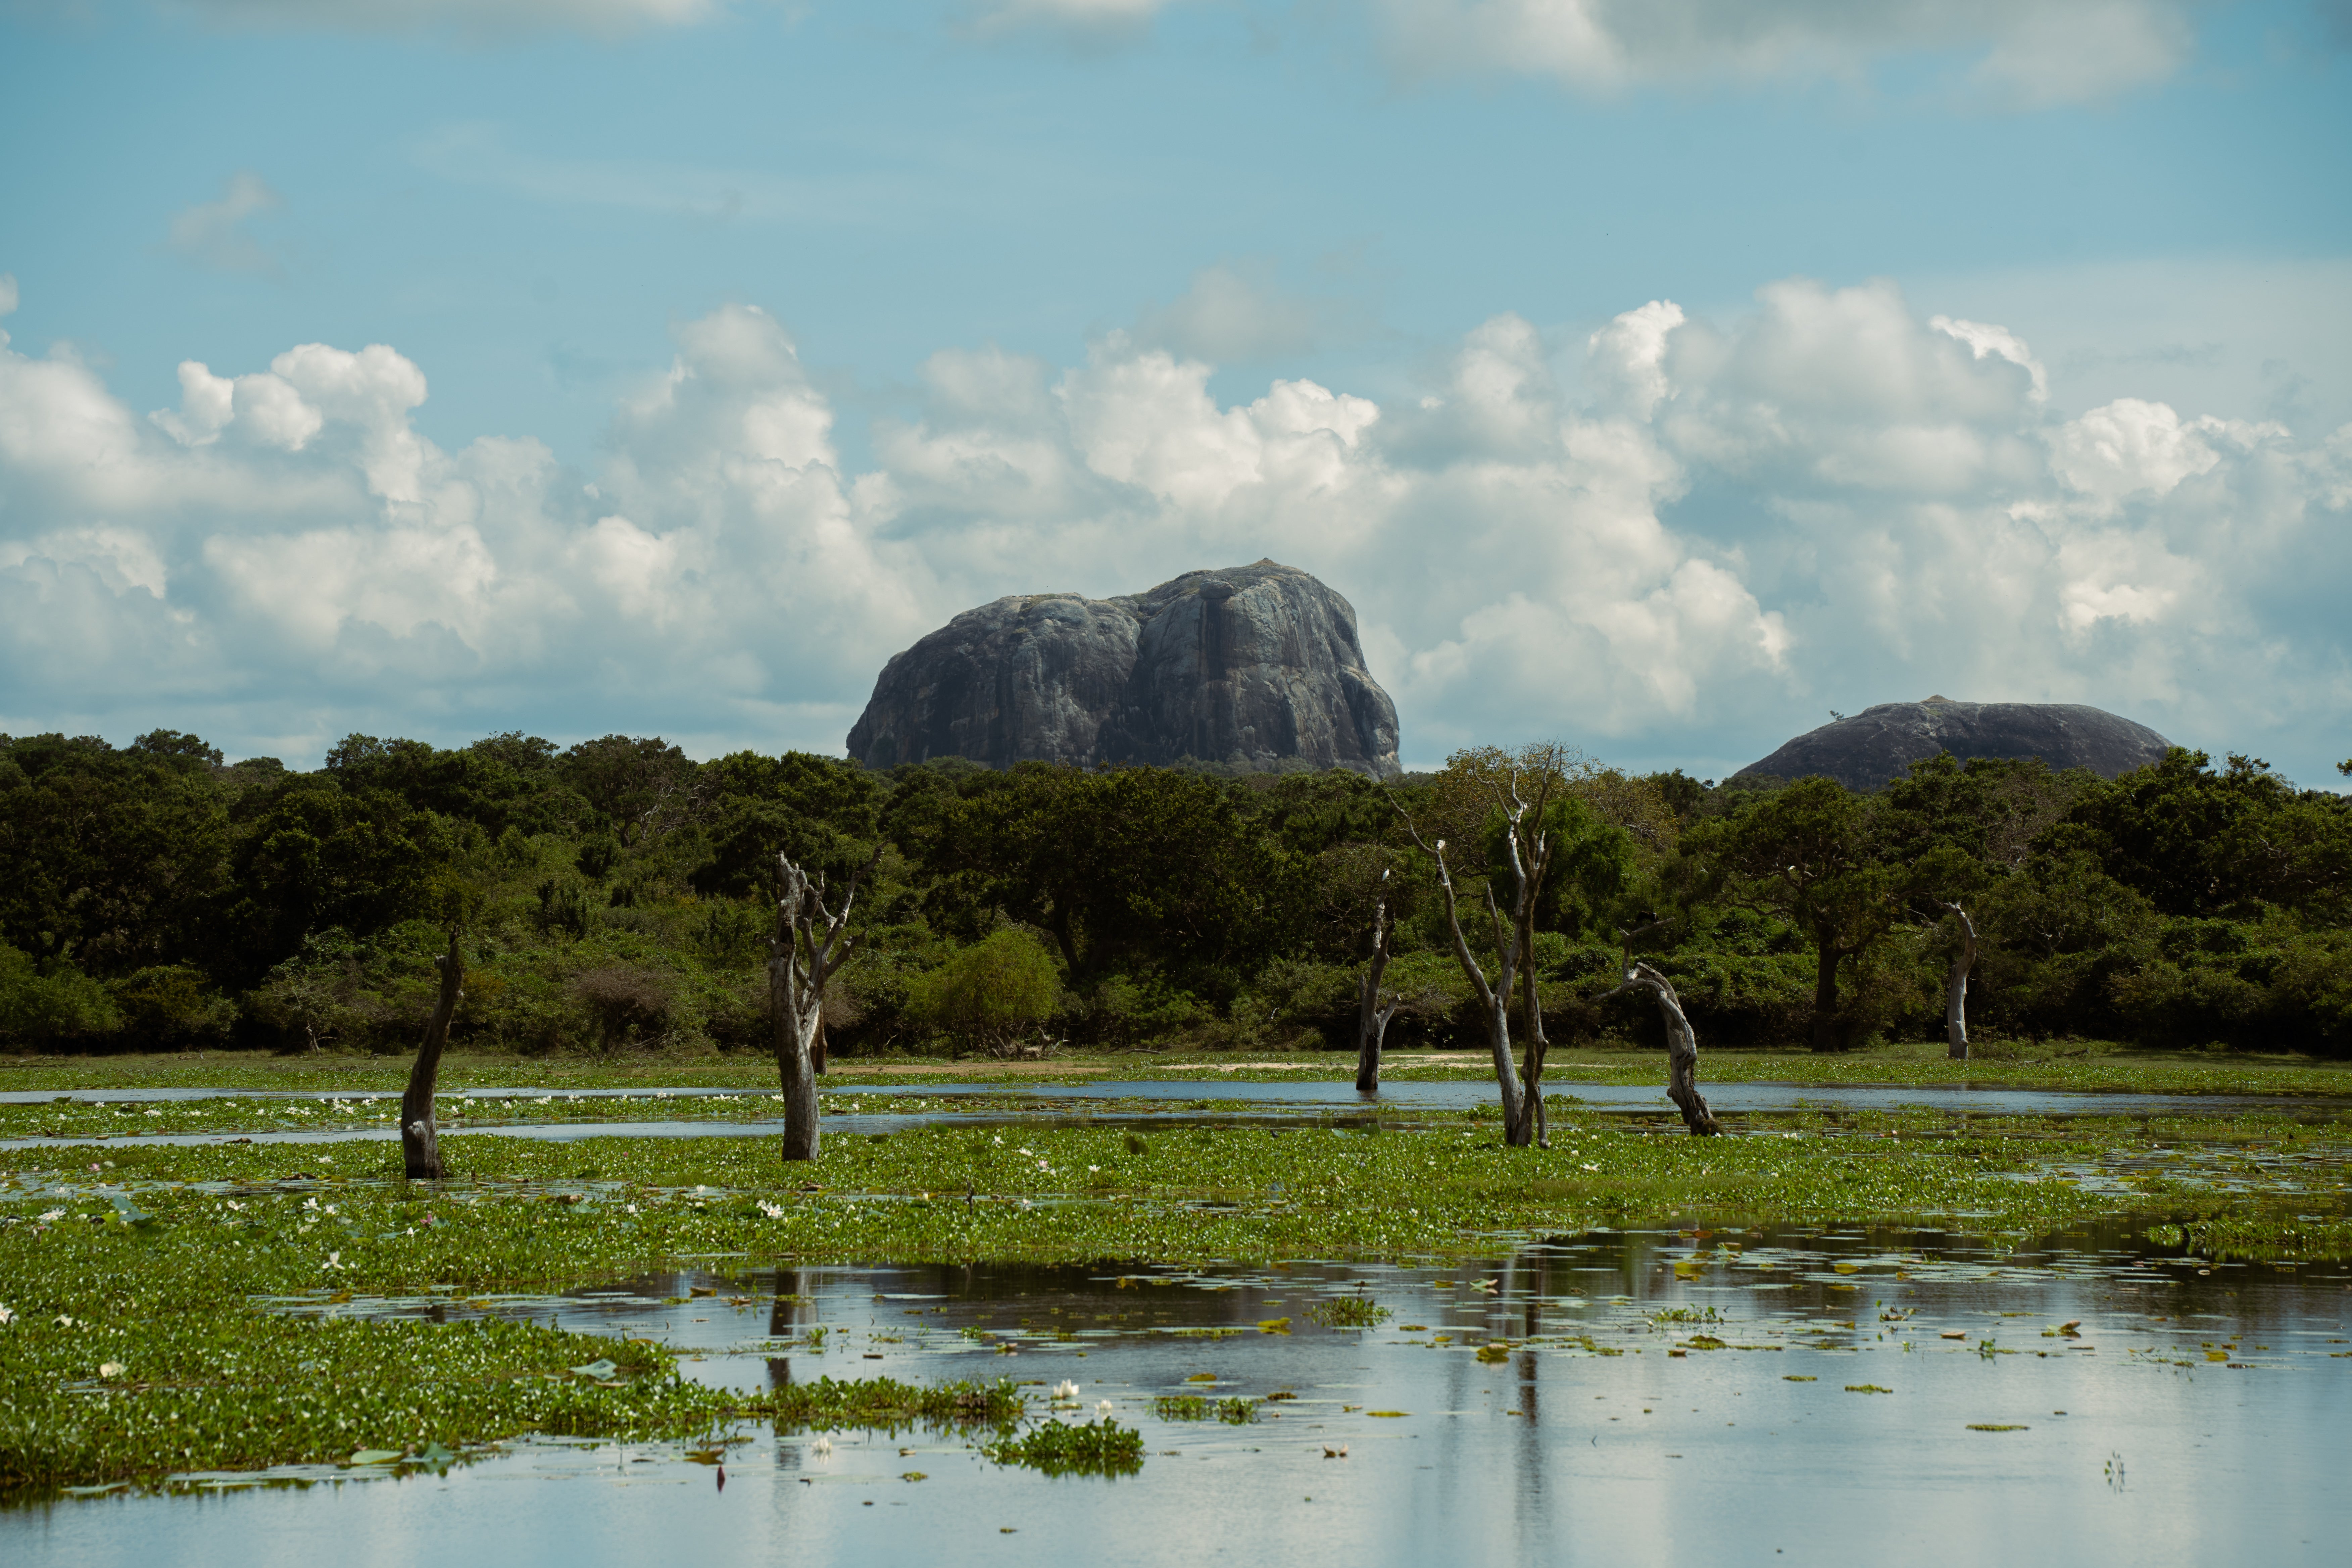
1371 1016
1682 1046
808 948
1956 987
1503 782
420 1141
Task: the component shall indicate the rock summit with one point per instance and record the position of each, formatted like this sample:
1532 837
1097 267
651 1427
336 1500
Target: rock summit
1255 664
1867 750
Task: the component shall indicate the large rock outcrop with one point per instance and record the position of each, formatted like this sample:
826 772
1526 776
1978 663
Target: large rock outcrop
1257 665
1867 750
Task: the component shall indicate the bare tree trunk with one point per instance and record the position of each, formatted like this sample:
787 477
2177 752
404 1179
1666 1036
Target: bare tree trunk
1825 1020
1372 1018
1538 1047
1956 988
795 1033
807 949
1682 1047
420 1141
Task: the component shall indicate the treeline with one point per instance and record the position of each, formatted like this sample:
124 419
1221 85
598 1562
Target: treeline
615 895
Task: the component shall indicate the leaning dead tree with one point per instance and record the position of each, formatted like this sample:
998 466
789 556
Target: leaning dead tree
420 1140
1956 987
1371 1016
1682 1046
1519 787
809 945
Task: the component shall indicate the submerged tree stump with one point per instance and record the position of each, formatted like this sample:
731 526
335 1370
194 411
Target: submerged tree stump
420 1140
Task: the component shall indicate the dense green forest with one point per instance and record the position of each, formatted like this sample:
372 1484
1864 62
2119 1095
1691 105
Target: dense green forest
613 895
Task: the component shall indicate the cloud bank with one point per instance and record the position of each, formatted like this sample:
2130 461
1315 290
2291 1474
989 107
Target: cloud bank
2024 54
1670 539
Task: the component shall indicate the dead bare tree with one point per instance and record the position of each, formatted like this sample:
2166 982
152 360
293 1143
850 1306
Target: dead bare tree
1956 987
808 948
1371 1017
1521 785
1682 1046
420 1141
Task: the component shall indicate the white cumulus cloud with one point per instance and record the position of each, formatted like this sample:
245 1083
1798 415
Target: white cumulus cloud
1669 538
2028 53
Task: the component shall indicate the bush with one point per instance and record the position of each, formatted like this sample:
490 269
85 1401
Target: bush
171 1003
988 994
625 1002
64 1004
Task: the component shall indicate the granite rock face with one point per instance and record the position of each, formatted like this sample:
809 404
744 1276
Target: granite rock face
1867 750
1257 665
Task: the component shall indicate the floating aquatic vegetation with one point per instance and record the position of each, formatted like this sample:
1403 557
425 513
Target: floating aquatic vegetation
1101 1447
1349 1312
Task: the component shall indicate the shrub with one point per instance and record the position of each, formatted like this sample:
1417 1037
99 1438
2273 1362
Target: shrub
64 1004
172 1002
624 1002
987 996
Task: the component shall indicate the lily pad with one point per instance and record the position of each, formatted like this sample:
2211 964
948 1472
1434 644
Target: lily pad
375 1455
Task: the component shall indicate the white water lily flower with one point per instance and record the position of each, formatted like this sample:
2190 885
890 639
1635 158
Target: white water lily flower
155 1113
110 1369
327 1159
1102 1410
822 1447
334 1261
53 1216
633 1208
310 1203
64 1321
1065 1391
773 1211
1592 1167
1000 1143
1042 1166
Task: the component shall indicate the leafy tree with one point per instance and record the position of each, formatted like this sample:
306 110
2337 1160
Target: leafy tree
822 812
1808 854
1141 868
110 858
2195 842
988 994
313 856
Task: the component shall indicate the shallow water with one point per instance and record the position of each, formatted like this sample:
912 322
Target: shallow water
1560 1451
1453 1094
862 1109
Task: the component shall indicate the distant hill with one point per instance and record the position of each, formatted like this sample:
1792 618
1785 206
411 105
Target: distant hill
1867 750
1255 666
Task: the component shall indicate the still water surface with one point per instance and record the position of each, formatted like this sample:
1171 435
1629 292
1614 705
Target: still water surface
2188 1416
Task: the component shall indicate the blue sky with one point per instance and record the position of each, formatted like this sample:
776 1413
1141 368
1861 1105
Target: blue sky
1659 377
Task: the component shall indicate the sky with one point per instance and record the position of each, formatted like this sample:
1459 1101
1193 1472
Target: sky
1662 377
